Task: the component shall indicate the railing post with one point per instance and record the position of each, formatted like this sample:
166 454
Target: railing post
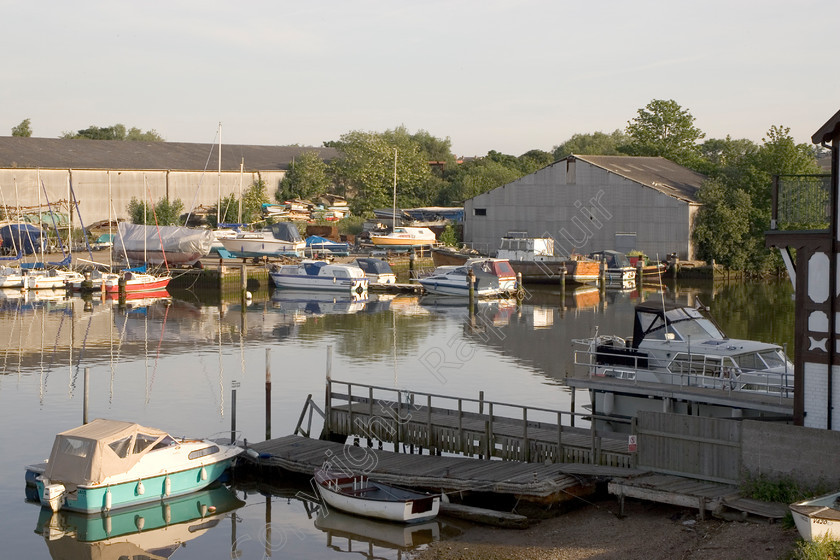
774 203
328 395
526 447
429 423
560 437
461 446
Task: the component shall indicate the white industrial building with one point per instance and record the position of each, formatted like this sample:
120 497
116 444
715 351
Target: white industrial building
593 203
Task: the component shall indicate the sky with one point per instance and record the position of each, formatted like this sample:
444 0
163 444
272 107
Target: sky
509 76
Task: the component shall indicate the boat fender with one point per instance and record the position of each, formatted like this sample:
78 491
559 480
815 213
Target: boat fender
167 486
203 473
139 522
266 455
202 510
167 513
140 488
252 454
444 499
107 522
108 499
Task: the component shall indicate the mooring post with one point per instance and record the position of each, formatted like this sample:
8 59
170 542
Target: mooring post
411 258
563 273
481 402
602 273
328 396
268 394
243 280
471 288
640 265
85 400
121 290
233 386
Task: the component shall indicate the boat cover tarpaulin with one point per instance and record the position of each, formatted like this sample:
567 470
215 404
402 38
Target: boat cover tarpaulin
23 237
178 244
102 448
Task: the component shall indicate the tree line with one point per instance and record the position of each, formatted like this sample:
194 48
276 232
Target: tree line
729 227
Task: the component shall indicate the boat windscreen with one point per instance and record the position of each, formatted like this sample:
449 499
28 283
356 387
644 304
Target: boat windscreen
286 231
374 266
503 269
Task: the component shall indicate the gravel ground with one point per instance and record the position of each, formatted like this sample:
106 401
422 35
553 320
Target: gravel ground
646 532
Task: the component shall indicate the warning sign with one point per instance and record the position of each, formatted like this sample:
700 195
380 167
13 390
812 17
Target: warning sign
631 444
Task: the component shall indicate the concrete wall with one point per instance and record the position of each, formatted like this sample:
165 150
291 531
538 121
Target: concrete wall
808 455
582 207
19 187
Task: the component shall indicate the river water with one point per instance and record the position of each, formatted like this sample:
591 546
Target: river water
174 364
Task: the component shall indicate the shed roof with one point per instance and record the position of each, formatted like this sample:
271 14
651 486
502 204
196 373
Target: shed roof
52 153
657 173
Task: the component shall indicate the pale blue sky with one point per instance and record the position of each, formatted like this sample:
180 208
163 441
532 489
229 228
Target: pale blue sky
493 75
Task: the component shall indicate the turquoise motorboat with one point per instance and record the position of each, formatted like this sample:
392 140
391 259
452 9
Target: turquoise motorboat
109 464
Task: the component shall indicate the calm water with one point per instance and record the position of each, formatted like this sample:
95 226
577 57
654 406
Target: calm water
173 367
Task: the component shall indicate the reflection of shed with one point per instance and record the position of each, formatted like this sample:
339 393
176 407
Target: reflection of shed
812 260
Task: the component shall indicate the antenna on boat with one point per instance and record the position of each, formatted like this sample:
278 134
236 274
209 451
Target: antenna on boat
668 336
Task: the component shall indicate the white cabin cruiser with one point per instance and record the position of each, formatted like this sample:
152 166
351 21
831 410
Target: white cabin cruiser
493 277
320 275
675 352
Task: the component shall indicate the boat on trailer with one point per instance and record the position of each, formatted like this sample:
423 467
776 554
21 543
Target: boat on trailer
360 495
109 464
818 518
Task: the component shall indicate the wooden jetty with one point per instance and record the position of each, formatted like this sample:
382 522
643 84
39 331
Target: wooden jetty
537 482
466 426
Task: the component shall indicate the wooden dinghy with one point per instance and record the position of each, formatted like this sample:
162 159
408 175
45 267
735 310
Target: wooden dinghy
361 496
818 518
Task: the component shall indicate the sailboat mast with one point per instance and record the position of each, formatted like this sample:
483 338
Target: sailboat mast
219 202
110 226
394 213
241 171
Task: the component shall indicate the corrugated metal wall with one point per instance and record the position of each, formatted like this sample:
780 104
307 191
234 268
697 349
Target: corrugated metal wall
19 187
583 208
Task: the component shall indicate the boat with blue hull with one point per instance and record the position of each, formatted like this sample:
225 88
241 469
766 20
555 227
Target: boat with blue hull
109 464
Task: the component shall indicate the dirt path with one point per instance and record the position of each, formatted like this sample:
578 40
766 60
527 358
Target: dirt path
647 532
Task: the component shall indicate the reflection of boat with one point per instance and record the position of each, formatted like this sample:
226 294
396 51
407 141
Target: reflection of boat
405 238
108 464
375 532
317 303
320 275
493 277
138 299
282 239
153 531
378 271
361 496
818 518
673 347
618 268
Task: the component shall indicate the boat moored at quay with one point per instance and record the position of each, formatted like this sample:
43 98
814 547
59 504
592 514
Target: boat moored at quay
679 361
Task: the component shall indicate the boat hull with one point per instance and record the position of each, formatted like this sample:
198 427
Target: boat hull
99 498
139 285
331 284
262 247
400 506
817 519
448 288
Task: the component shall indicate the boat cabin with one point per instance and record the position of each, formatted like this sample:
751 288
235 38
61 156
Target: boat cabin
285 231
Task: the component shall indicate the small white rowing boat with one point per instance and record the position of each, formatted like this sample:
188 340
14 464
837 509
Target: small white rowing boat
818 518
361 496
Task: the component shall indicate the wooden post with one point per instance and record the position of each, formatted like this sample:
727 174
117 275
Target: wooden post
471 288
234 385
560 457
481 402
328 395
460 427
121 288
526 447
268 394
411 257
602 273
563 273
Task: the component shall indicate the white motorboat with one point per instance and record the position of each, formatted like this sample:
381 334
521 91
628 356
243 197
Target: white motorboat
378 271
818 518
109 464
276 240
12 277
361 496
675 347
320 275
618 270
493 277
405 238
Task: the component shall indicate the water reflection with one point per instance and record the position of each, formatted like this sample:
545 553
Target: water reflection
155 531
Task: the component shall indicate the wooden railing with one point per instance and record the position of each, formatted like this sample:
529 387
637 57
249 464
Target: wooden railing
467 426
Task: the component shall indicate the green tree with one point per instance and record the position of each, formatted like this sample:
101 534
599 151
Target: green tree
722 227
365 169
479 176
116 132
533 160
307 177
594 144
23 129
665 129
162 213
